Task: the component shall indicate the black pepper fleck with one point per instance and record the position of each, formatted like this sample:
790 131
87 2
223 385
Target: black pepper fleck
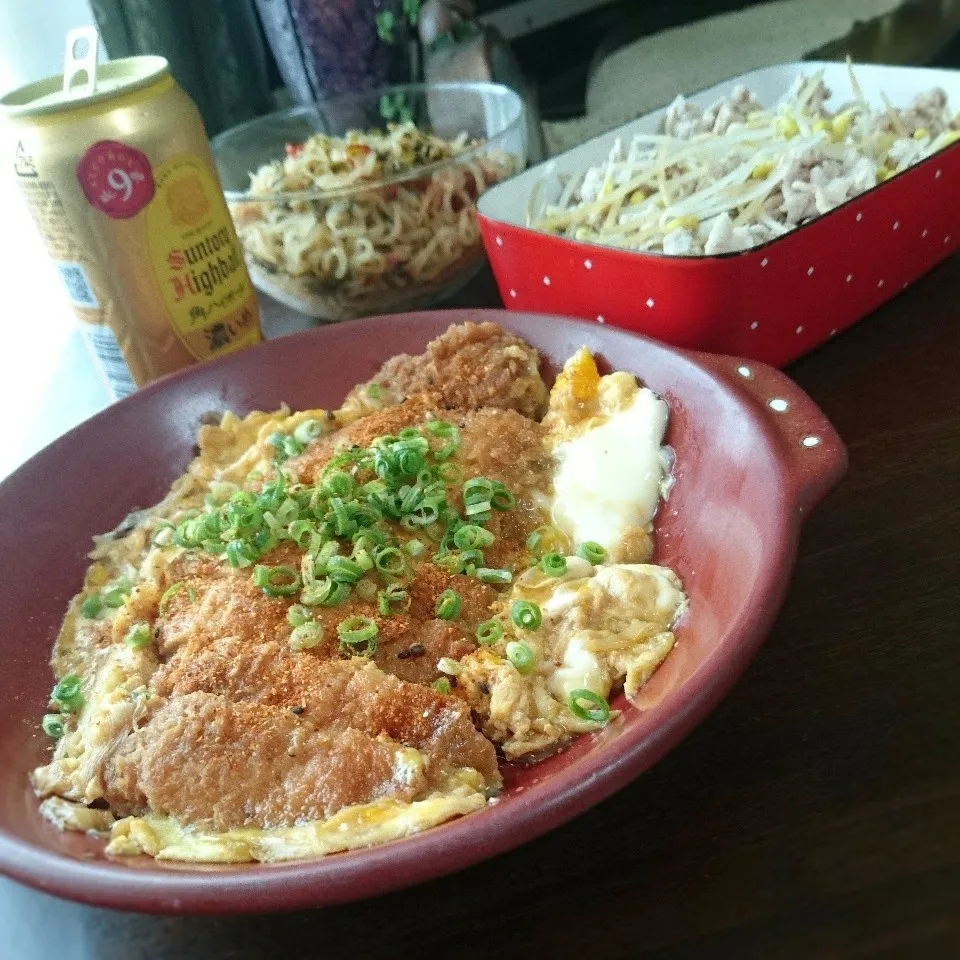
416 650
297 710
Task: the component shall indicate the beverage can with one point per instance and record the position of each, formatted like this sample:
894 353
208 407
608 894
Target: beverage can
115 166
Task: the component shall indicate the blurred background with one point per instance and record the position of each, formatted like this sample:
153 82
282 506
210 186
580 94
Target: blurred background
585 65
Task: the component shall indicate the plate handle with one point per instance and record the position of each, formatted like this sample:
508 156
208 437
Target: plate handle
814 455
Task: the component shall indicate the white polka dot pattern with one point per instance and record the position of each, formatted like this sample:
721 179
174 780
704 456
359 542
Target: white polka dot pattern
773 304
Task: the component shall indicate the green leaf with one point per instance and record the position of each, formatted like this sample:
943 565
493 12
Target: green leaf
412 9
384 22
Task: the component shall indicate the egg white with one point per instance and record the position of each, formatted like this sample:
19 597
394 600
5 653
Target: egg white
609 477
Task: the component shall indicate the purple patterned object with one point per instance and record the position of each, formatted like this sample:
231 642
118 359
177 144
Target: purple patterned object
325 47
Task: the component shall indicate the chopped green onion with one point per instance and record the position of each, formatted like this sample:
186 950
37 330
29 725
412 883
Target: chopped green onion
307 431
168 595
137 636
446 451
424 514
115 595
502 498
91 606
344 569
287 512
475 509
241 554
325 593
600 712
369 538
414 547
553 564
276 581
526 614
338 483
521 655
489 632
393 596
410 433
300 532
292 447
306 635
442 428
68 692
449 605
390 560
363 559
52 725
471 537
477 489
358 636
449 472
591 552
449 666
490 575
470 560
409 460
448 561
329 550
442 685
298 615
374 392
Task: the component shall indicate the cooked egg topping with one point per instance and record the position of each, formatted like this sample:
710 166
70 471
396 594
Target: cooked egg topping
600 625
606 435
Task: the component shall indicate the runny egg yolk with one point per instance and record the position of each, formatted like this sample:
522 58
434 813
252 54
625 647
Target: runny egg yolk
609 478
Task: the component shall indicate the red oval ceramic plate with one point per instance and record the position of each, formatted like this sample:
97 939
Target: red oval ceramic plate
746 474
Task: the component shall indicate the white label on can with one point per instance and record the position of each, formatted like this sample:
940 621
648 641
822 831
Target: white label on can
78 285
104 343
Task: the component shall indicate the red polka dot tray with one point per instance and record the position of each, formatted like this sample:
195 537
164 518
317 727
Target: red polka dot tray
774 302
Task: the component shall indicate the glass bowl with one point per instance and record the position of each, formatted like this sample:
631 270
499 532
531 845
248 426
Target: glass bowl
384 241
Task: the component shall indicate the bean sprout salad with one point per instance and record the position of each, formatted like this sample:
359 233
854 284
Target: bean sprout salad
735 175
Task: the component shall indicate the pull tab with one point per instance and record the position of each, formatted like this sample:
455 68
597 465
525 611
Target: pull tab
80 62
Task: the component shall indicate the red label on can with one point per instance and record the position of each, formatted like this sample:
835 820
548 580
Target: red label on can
116 178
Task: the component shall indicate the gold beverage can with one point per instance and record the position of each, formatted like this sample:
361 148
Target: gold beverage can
121 185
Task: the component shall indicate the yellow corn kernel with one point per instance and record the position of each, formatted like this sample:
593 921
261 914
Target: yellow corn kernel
921 133
840 125
786 126
582 374
884 173
762 170
820 126
638 196
686 222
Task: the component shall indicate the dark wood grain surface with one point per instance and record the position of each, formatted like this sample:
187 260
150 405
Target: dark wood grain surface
815 814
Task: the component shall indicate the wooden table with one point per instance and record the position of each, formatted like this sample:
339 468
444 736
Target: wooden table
815 814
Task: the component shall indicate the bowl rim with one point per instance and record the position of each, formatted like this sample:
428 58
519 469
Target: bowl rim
452 846
517 122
